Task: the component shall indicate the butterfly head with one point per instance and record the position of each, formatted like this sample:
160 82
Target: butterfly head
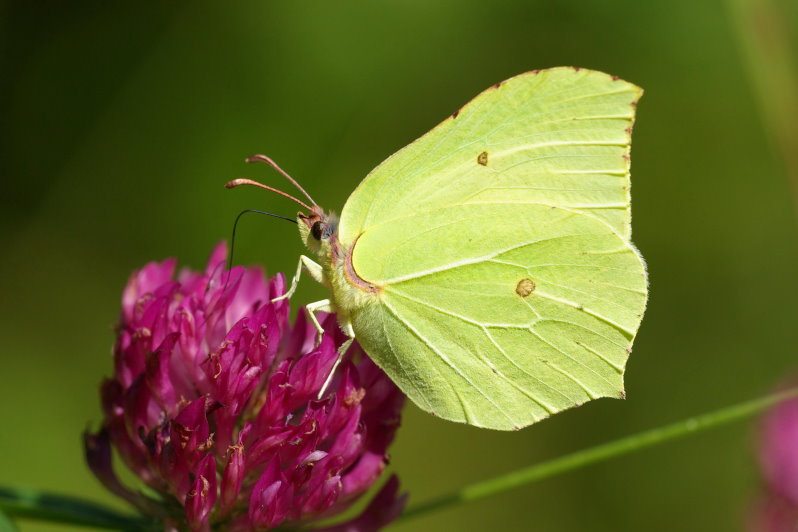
319 231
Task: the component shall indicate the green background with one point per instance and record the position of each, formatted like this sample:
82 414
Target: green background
121 122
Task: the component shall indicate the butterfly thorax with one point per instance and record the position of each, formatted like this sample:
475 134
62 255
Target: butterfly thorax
319 232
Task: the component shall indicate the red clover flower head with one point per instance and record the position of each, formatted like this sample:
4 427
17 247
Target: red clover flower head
213 404
777 511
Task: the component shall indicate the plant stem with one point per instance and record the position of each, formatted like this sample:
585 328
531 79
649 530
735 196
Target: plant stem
597 454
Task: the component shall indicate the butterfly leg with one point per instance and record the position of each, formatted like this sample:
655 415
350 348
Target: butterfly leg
313 268
313 308
347 328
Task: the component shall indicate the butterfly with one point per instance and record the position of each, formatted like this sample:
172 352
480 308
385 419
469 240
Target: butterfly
487 267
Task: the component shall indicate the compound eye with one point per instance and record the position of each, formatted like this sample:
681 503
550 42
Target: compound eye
316 230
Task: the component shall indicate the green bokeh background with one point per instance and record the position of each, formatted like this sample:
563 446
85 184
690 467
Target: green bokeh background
121 122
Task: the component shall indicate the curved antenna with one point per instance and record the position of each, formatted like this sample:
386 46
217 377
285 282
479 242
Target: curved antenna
244 181
233 238
268 160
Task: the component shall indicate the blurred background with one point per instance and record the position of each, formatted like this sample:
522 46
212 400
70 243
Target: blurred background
121 123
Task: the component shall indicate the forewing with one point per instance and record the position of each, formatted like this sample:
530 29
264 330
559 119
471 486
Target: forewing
559 137
500 315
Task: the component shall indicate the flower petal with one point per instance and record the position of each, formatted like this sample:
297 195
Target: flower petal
383 508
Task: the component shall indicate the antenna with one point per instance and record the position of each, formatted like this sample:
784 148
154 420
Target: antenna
233 238
243 181
258 158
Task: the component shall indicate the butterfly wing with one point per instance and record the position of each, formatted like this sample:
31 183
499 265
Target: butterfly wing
508 288
559 136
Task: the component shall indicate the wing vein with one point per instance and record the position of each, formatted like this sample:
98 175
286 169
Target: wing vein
475 260
588 329
449 363
587 311
549 409
588 391
611 302
401 366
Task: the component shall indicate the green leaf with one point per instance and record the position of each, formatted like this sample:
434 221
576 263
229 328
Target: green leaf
6 524
34 504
